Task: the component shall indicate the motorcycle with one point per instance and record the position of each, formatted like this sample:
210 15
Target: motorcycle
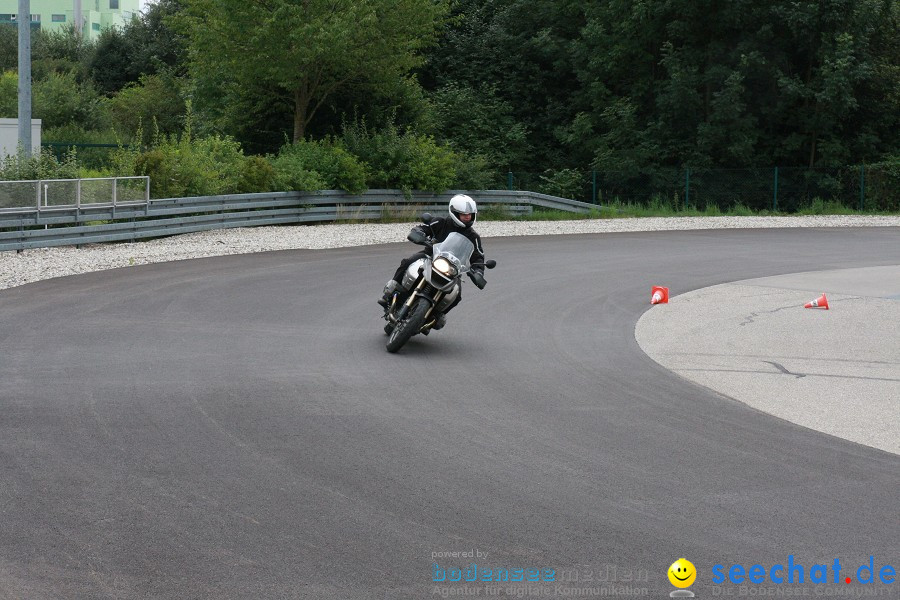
430 286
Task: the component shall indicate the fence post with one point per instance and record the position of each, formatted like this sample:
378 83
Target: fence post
862 188
687 187
509 181
594 187
775 195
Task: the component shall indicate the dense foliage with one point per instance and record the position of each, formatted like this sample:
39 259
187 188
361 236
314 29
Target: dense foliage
434 94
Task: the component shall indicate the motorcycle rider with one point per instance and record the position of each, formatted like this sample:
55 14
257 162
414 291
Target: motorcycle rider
462 215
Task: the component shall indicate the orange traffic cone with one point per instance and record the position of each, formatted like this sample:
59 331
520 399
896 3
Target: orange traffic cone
659 295
820 302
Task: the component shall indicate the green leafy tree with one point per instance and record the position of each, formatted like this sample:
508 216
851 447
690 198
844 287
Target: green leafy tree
154 103
707 83
60 51
521 49
479 122
9 48
157 44
9 95
307 51
112 65
147 45
59 100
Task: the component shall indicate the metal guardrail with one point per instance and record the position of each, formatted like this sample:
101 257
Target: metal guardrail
86 223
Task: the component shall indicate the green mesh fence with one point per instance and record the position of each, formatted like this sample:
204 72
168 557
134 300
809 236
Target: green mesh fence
91 156
784 190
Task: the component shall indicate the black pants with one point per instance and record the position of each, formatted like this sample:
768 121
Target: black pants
404 265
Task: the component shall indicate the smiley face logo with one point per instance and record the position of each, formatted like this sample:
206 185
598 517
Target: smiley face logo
682 573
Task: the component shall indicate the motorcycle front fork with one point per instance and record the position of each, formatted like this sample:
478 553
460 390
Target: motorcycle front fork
409 302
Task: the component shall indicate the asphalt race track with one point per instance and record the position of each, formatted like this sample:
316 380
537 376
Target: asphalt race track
233 428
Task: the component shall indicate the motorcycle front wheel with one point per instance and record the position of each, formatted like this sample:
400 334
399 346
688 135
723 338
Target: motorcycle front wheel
408 327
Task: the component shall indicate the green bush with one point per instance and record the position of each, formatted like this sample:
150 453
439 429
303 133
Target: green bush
9 95
185 166
741 210
324 164
256 174
155 101
60 100
818 206
292 175
473 173
75 136
404 160
43 165
883 185
564 183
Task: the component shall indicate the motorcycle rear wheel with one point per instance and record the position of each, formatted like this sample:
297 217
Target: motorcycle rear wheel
408 327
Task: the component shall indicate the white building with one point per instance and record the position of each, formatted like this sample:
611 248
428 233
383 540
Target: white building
96 15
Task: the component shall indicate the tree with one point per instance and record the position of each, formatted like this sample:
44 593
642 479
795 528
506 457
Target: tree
158 46
521 50
60 100
154 105
60 51
308 50
147 45
723 84
478 122
9 48
112 65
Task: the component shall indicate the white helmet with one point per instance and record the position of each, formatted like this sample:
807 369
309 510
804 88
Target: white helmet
463 210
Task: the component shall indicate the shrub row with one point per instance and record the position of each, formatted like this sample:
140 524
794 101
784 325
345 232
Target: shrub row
187 165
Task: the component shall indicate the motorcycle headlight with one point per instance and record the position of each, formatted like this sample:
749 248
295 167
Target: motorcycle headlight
442 265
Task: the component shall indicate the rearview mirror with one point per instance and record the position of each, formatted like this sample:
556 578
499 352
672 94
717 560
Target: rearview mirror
427 218
490 264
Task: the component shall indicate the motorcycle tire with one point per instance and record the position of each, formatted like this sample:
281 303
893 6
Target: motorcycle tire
408 327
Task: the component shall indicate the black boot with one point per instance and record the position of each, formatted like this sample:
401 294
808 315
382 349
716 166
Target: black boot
388 293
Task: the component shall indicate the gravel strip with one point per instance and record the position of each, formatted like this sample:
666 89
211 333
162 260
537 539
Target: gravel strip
45 263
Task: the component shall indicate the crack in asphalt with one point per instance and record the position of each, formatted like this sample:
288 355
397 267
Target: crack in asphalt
809 358
751 317
783 370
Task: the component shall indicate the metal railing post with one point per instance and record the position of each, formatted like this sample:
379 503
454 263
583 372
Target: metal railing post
687 187
862 188
775 195
594 187
509 181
